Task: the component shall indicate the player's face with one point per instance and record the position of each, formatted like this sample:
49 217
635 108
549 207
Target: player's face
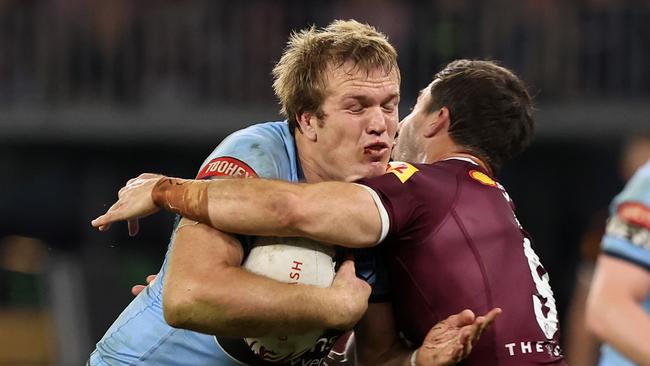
357 131
410 144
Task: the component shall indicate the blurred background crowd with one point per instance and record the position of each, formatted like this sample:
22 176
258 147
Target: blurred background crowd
94 92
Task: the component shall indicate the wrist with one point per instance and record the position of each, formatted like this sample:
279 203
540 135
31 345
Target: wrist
332 310
332 318
163 190
186 197
344 312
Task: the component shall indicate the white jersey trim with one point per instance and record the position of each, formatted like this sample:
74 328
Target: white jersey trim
463 159
383 214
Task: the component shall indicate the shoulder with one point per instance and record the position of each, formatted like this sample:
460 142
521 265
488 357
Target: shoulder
628 231
400 175
403 171
261 135
397 174
638 188
260 150
632 205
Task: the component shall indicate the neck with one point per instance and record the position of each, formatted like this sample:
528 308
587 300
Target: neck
309 167
466 155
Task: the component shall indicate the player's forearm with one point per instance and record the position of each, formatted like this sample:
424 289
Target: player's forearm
252 207
377 342
399 355
622 324
337 213
614 307
250 306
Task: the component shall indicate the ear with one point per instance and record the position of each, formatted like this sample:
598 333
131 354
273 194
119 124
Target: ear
306 123
439 123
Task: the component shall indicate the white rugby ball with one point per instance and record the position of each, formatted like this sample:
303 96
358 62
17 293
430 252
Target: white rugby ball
291 260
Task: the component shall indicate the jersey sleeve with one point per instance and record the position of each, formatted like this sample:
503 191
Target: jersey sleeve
398 207
628 231
248 153
254 152
395 200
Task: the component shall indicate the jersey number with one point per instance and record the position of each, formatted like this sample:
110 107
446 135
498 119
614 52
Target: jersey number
543 300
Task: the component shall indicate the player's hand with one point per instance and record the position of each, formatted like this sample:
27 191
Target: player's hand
452 339
349 297
134 201
137 289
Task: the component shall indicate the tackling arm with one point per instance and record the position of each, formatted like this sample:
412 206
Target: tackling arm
614 311
332 212
206 290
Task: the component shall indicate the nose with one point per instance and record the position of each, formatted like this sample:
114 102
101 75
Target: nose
378 122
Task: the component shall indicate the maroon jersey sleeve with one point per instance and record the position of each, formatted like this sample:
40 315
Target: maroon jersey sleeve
399 191
399 204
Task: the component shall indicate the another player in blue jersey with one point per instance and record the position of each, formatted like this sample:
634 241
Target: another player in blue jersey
339 89
618 308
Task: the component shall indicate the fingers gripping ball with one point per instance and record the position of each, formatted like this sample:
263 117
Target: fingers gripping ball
291 260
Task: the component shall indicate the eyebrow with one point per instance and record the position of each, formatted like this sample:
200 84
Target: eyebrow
392 96
363 98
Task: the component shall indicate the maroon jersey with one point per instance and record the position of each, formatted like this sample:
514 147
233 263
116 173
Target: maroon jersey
454 243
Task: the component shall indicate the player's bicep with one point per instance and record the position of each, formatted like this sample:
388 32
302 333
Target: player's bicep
204 248
198 256
614 312
615 276
341 213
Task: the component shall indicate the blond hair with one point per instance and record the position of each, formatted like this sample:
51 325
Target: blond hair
299 76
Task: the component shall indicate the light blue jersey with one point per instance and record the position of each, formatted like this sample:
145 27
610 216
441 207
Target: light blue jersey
628 238
140 335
